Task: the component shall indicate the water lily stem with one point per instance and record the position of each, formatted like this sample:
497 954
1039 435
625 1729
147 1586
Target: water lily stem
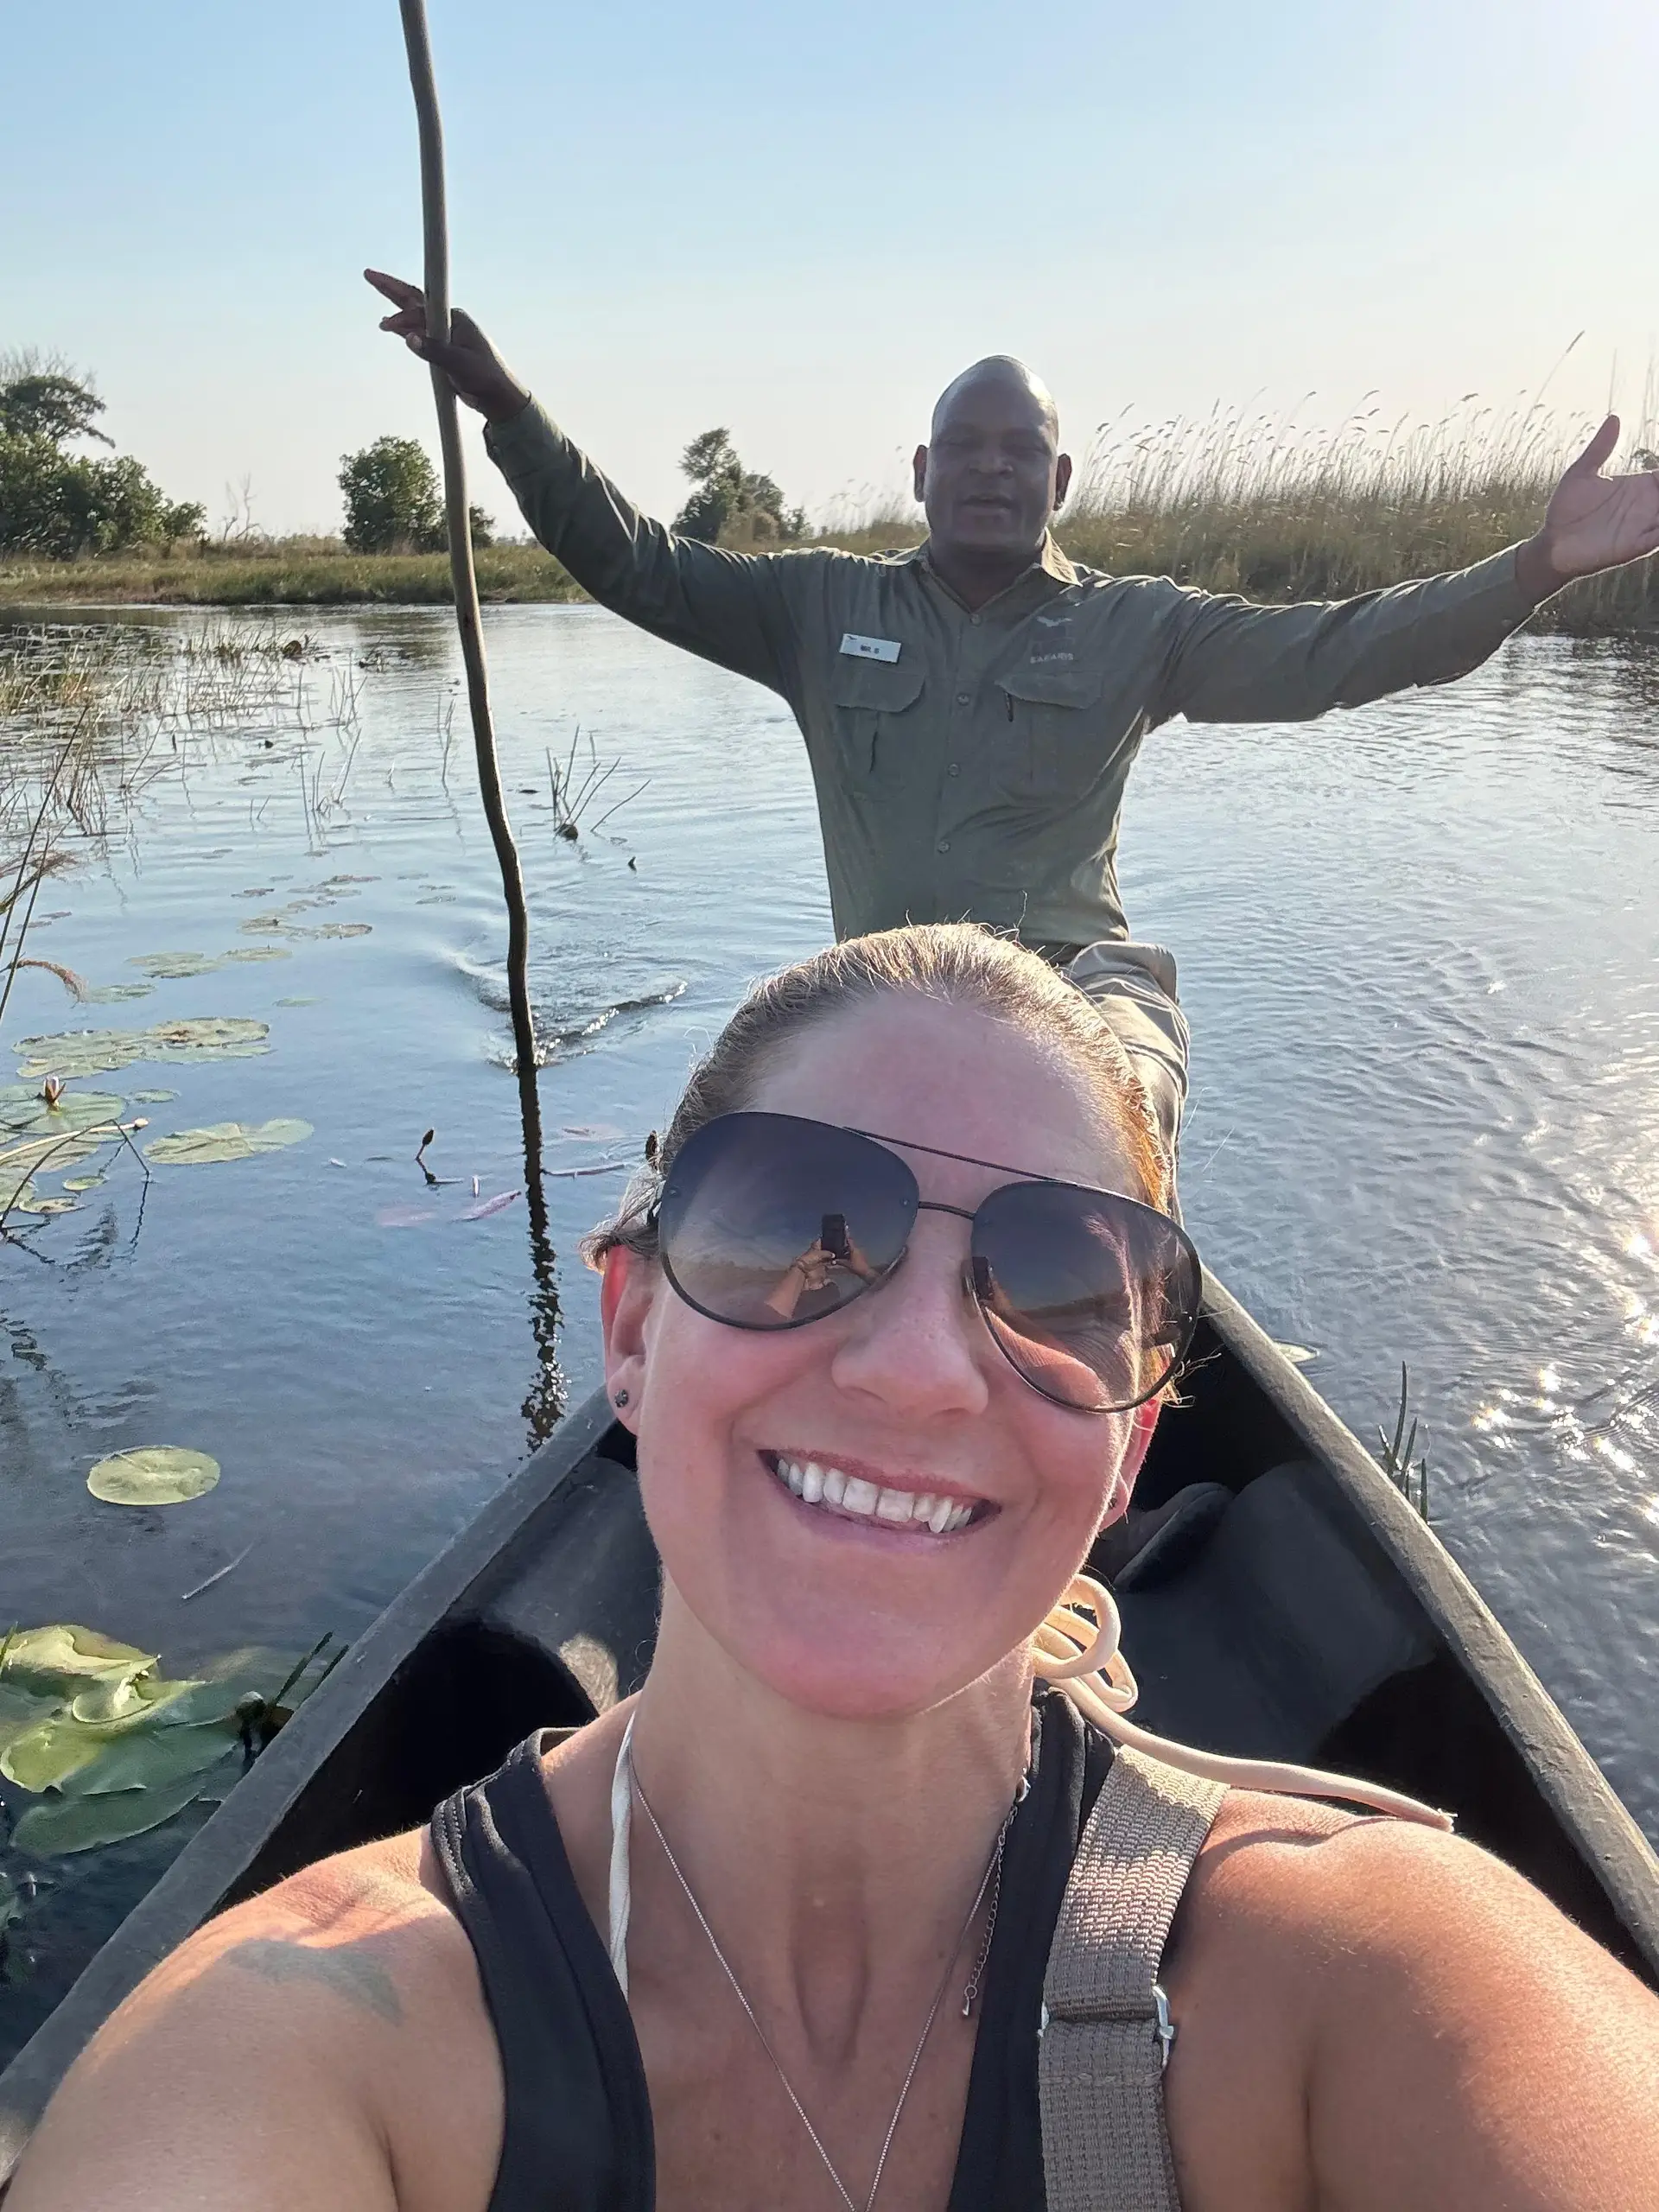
436 279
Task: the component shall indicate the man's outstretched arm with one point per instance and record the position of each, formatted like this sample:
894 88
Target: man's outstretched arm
727 606
1232 661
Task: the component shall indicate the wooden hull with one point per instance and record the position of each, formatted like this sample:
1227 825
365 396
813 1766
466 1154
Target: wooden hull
1318 1620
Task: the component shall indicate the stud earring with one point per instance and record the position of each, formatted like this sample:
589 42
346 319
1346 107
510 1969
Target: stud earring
621 1399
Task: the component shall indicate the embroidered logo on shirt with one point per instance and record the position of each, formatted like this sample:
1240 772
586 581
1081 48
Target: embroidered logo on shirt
869 648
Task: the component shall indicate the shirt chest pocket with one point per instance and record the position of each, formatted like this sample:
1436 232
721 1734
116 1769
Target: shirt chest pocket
877 716
1054 744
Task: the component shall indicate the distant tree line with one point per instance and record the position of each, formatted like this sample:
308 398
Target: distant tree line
59 505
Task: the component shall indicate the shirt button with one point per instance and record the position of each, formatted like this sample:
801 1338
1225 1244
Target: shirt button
954 769
963 698
973 619
943 845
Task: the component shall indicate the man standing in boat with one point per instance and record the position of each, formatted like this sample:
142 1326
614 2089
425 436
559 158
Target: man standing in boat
972 709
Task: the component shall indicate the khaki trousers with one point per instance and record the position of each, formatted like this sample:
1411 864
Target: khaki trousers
1135 987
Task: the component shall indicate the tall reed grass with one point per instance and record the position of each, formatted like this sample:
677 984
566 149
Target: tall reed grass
1252 503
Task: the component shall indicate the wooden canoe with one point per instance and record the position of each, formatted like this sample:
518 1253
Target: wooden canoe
1288 1604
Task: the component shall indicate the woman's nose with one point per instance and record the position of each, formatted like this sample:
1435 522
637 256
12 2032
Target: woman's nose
917 1343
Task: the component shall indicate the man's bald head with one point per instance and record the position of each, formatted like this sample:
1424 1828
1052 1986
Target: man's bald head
999 369
991 475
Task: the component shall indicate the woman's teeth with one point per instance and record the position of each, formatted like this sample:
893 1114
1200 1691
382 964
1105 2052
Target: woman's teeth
816 1485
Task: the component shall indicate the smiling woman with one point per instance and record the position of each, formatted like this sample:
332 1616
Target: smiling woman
886 1394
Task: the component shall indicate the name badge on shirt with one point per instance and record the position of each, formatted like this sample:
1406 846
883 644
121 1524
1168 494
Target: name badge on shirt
869 648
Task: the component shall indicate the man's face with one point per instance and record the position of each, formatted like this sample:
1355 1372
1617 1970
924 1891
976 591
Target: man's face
993 475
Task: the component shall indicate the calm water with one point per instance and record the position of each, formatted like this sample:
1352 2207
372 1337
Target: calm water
1418 946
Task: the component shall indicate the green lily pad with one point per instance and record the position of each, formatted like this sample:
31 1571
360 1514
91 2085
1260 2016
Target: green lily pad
173 967
83 1182
98 1051
110 994
300 1000
260 952
22 1710
153 1759
153 1097
225 1140
24 1112
156 1474
64 1659
338 929
63 1825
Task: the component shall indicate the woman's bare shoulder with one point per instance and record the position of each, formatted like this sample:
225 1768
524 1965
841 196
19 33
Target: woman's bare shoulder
1338 1970
317 2043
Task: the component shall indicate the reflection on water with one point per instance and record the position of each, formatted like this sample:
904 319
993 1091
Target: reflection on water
1417 944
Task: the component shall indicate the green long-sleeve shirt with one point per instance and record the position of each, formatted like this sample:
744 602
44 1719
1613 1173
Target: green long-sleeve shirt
971 765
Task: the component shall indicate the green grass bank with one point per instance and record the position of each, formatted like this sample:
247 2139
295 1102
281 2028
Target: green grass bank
1277 543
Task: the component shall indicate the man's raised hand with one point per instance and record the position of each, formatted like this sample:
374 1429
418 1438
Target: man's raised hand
479 374
1593 521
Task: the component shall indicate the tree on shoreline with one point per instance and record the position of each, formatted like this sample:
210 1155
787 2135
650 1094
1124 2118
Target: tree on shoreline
730 503
59 505
393 504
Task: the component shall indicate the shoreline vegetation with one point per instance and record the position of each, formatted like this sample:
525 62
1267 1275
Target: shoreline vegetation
1233 503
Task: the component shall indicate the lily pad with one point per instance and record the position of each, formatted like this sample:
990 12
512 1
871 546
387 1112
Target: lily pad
83 1182
260 952
64 1659
155 1474
24 1112
22 1710
153 1097
300 1000
109 993
173 967
96 1051
62 1825
225 1140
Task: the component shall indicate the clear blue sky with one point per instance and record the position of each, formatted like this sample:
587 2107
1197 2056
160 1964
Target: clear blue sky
801 222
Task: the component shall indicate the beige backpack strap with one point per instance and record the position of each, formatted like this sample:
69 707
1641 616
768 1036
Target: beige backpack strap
1106 2026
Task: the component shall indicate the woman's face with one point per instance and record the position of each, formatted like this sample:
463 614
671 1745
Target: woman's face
904 1389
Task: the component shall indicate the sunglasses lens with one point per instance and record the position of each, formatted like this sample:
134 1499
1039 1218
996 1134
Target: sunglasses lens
1093 1298
768 1221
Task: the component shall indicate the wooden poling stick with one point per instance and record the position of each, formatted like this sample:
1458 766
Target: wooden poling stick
435 228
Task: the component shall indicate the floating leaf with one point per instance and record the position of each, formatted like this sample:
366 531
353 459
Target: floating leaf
152 1758
63 1825
299 1002
108 993
173 967
22 1710
95 1051
225 1140
153 1097
24 1112
338 929
153 1474
260 952
64 1658
83 1182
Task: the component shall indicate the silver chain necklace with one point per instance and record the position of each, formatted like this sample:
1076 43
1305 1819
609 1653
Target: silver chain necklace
991 1880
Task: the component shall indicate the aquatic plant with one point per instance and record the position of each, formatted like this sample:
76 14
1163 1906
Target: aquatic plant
1408 1475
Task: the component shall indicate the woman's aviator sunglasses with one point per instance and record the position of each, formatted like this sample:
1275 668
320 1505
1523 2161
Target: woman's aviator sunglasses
768 1221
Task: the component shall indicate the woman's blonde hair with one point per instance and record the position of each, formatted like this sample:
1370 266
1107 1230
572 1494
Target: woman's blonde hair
958 963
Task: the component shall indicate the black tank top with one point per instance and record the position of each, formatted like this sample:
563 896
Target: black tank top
577 2135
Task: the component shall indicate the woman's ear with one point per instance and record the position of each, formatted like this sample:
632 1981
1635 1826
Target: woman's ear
1128 1472
627 1283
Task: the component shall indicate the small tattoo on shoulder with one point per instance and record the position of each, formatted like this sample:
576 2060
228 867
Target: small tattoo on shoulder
341 1968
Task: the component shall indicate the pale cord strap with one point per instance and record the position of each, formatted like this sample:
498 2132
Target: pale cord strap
621 1881
1106 2026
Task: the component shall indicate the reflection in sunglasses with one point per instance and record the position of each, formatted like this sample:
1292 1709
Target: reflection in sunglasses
816 1266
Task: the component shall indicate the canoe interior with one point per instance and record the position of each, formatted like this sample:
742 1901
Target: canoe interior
1311 1619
